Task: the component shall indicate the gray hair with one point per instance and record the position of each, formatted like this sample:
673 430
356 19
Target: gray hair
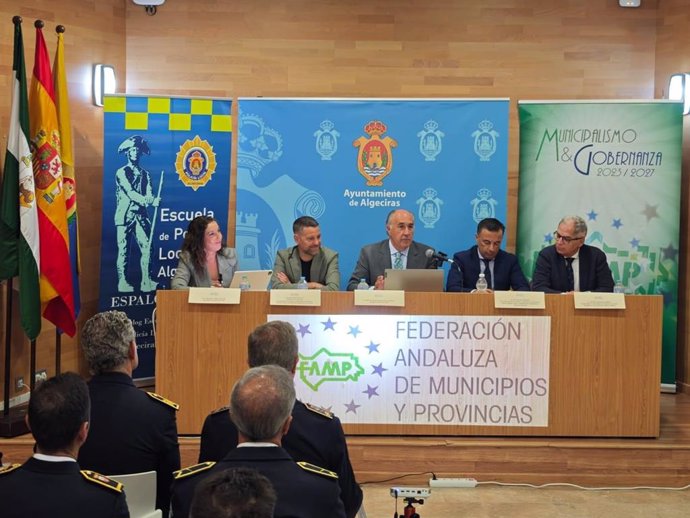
105 340
261 401
580 225
273 343
391 213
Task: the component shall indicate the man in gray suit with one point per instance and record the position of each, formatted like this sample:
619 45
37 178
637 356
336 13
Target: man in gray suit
399 251
308 259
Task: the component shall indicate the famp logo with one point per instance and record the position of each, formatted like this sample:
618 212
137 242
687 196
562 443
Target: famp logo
324 366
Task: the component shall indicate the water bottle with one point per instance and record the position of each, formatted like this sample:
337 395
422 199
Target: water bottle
362 285
481 283
244 284
619 288
302 284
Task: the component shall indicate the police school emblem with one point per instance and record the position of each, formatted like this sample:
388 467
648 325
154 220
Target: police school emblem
195 163
375 157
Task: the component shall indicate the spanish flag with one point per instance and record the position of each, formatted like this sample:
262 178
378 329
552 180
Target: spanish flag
57 296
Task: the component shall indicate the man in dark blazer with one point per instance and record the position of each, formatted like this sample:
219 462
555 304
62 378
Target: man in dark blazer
318 265
50 484
398 251
260 405
570 265
315 434
504 272
131 430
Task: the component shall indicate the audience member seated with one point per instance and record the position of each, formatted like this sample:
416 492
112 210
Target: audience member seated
131 430
500 268
308 259
570 264
50 484
204 261
234 493
315 435
260 406
399 251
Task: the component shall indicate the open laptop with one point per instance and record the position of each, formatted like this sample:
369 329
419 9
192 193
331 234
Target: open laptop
258 279
413 280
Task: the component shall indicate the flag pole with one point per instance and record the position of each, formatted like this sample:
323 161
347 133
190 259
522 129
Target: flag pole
8 348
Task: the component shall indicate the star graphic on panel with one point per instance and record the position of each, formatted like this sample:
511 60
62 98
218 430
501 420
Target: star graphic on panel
635 242
371 391
373 348
352 407
591 215
547 238
379 369
304 330
354 331
650 211
617 223
329 324
670 252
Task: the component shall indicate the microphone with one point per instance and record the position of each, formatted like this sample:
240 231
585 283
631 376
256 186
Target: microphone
439 256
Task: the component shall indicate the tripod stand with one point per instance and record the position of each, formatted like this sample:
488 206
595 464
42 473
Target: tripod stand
410 511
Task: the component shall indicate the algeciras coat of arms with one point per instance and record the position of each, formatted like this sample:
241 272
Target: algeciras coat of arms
375 157
430 140
429 207
485 140
326 140
195 162
483 206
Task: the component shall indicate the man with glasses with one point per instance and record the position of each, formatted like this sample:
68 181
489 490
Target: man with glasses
570 264
500 268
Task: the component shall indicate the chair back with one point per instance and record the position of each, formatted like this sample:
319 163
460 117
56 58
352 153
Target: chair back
140 489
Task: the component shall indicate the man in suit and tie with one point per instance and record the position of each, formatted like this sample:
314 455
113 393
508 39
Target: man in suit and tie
500 268
571 265
399 251
317 264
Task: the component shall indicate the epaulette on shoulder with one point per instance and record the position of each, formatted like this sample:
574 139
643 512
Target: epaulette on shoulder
220 410
319 410
163 400
318 470
9 468
102 480
192 470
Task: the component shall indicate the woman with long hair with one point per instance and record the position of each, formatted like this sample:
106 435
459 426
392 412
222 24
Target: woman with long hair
204 261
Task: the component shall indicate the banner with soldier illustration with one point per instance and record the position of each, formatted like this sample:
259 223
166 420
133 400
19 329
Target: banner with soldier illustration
349 162
166 160
616 164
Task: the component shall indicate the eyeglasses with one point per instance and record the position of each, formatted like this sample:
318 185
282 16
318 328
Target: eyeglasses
567 239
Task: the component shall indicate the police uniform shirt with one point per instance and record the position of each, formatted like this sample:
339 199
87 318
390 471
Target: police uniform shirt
131 432
304 492
315 436
45 489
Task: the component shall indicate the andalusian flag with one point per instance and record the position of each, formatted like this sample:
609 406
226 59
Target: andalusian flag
56 275
19 244
67 157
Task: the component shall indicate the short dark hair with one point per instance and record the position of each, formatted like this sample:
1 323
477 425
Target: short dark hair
57 409
234 493
302 222
273 343
490 224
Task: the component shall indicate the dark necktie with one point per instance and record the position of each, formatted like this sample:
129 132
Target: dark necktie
487 274
570 276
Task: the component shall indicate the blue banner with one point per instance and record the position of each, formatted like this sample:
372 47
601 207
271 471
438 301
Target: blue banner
165 161
348 163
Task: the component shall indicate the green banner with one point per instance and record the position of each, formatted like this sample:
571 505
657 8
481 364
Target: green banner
617 165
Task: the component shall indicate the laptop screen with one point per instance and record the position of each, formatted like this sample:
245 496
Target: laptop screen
258 279
413 280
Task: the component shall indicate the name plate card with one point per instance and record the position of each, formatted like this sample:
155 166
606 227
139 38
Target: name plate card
519 299
598 300
295 297
214 296
393 298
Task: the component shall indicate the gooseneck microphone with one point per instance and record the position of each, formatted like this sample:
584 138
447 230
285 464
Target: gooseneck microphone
439 256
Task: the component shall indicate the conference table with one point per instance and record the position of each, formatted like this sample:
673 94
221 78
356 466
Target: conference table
602 366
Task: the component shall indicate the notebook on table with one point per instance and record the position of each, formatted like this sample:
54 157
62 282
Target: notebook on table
258 279
413 280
